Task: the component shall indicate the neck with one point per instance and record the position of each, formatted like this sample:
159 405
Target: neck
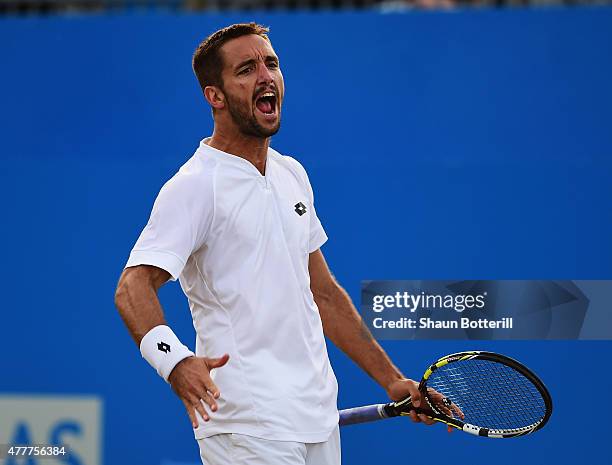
252 149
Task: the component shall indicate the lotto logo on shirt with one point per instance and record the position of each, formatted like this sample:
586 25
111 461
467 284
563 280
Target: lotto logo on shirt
50 430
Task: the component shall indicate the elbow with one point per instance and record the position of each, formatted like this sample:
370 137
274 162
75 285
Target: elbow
320 295
122 291
325 295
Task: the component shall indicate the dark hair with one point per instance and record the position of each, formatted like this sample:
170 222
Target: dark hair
207 60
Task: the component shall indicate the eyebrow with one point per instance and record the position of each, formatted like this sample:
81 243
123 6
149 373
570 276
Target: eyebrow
251 61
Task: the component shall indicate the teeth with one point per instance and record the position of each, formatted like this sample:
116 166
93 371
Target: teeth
267 94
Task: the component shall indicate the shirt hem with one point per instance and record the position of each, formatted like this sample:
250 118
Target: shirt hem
315 244
307 438
161 259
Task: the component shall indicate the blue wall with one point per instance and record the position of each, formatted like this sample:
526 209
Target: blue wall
440 145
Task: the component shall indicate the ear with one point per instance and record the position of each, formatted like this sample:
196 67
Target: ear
215 97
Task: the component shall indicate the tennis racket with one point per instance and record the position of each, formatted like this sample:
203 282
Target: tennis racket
481 393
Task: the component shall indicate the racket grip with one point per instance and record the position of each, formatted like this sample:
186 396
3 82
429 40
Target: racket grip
364 414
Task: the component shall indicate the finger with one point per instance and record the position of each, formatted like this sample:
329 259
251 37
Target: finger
415 397
439 401
217 362
425 419
212 387
191 413
444 408
413 416
208 399
199 406
458 411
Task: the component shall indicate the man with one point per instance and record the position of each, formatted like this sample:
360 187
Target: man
238 227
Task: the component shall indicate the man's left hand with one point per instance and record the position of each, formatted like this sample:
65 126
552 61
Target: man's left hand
404 387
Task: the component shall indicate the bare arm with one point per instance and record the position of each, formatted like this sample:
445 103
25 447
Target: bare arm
136 299
139 307
345 327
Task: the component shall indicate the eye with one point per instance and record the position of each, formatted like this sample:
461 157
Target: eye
272 64
245 70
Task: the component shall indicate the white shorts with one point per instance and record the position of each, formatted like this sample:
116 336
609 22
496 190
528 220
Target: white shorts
238 449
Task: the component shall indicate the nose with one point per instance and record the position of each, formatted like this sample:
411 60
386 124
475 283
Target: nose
263 74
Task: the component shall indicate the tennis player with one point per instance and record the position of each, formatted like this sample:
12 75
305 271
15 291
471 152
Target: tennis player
238 227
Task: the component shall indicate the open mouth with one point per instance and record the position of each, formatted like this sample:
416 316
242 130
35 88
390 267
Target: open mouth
266 103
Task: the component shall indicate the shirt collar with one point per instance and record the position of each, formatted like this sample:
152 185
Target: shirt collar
241 163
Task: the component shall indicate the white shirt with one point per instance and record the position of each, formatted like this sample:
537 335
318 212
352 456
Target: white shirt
239 242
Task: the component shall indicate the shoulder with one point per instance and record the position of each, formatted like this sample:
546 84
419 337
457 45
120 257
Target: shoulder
290 164
194 181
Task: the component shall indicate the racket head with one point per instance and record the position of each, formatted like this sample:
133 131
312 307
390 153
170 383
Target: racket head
499 396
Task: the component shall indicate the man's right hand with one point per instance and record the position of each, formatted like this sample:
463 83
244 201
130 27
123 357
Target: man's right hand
190 379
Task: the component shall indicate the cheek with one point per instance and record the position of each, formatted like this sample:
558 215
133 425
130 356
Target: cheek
246 90
242 93
239 86
281 84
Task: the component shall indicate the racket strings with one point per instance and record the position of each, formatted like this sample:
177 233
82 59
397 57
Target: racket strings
491 395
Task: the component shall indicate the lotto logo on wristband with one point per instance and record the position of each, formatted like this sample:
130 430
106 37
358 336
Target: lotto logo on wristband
152 344
163 347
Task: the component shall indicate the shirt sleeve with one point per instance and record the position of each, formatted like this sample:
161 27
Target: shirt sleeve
318 237
177 227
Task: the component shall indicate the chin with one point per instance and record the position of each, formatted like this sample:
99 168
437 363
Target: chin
274 130
267 130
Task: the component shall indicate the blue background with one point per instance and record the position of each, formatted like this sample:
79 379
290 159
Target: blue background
465 145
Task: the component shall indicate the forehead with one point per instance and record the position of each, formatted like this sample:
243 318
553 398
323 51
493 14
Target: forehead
244 48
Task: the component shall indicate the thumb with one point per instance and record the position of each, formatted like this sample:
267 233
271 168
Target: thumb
415 397
217 362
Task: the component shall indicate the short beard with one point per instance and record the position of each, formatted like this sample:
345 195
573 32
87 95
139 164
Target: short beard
247 122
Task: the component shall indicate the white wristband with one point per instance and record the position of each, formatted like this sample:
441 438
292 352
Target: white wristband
163 350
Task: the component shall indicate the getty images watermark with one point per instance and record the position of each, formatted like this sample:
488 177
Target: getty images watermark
415 303
488 309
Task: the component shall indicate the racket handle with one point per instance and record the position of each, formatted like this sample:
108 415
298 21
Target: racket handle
363 414
367 413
